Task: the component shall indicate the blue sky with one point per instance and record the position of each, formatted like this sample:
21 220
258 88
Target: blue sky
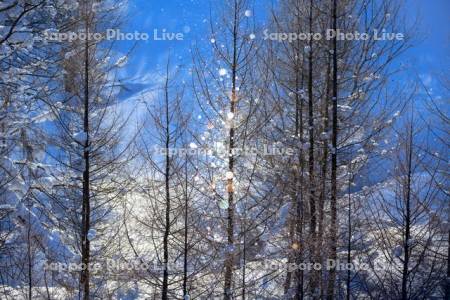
432 52
430 55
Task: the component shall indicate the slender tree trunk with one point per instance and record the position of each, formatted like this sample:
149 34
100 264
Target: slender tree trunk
405 272
86 208
165 285
312 196
30 263
186 211
47 291
244 253
228 278
300 207
333 206
349 239
447 282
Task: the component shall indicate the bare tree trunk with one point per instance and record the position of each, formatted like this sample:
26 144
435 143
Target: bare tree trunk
244 253
299 186
333 208
186 211
447 283
405 272
228 278
165 285
349 238
312 196
30 264
86 208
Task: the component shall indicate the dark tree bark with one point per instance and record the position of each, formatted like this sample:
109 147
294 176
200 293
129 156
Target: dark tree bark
86 208
228 278
407 216
186 215
333 200
311 161
349 238
165 285
300 183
